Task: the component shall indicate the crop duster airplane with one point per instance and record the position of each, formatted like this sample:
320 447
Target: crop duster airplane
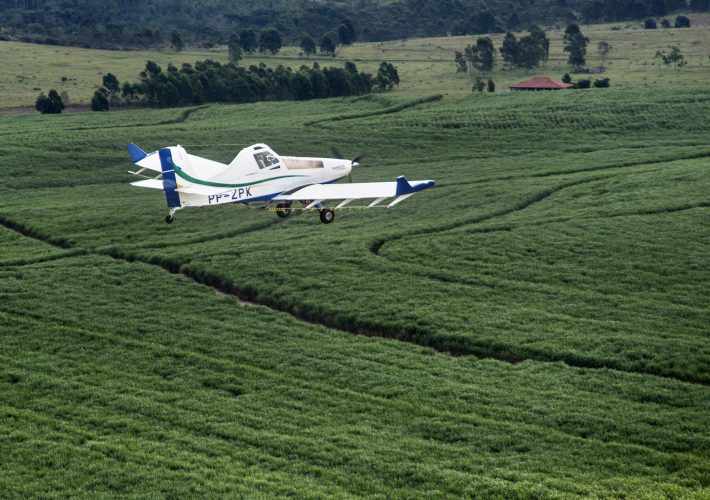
260 177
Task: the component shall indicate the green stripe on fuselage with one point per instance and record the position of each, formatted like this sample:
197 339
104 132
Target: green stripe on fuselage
195 180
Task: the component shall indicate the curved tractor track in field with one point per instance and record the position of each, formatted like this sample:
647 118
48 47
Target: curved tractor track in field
376 246
180 118
354 325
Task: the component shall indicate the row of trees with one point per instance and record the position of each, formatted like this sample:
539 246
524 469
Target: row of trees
210 81
271 40
528 52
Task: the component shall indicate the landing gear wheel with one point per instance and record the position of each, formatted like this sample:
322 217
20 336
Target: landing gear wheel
169 219
327 216
283 210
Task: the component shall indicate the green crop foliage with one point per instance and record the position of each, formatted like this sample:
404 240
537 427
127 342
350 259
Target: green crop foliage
536 326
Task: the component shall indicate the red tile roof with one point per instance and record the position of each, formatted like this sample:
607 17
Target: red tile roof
541 83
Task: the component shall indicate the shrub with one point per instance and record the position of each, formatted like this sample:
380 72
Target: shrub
100 100
566 78
666 23
583 84
49 104
601 83
682 22
491 85
650 24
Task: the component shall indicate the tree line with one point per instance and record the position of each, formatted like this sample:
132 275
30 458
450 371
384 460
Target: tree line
211 81
271 40
151 23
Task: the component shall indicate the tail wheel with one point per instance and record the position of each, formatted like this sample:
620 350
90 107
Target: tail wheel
169 219
283 210
327 216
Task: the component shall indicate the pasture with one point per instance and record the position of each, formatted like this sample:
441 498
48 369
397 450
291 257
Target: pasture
536 326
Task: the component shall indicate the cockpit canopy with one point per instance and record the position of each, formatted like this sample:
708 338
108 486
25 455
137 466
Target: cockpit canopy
261 158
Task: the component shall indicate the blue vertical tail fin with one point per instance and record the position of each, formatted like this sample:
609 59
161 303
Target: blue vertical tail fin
172 197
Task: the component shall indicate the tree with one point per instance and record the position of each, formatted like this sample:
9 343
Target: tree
346 33
308 45
461 63
42 103
491 85
110 83
176 41
328 43
575 46
509 50
301 86
531 52
682 22
650 24
100 100
387 76
235 48
482 55
539 37
247 40
603 48
567 78
49 104
270 40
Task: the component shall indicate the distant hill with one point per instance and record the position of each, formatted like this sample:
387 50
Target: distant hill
149 23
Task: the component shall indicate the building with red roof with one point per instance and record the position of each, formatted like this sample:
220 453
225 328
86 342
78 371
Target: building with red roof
541 83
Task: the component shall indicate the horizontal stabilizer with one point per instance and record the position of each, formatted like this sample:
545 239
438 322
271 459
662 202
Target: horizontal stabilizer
149 183
136 153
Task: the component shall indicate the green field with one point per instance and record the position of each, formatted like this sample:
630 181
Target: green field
536 326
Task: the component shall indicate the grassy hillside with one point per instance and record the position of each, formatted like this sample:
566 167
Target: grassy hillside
534 326
426 65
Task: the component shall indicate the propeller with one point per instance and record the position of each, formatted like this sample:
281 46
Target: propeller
355 161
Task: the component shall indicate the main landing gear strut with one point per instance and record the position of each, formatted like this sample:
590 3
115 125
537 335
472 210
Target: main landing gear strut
283 210
327 215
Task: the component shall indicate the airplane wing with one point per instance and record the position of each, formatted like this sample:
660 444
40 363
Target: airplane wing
379 191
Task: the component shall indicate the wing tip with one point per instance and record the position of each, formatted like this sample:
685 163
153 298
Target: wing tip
405 187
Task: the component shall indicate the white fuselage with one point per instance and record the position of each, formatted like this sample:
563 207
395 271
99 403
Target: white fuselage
256 175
